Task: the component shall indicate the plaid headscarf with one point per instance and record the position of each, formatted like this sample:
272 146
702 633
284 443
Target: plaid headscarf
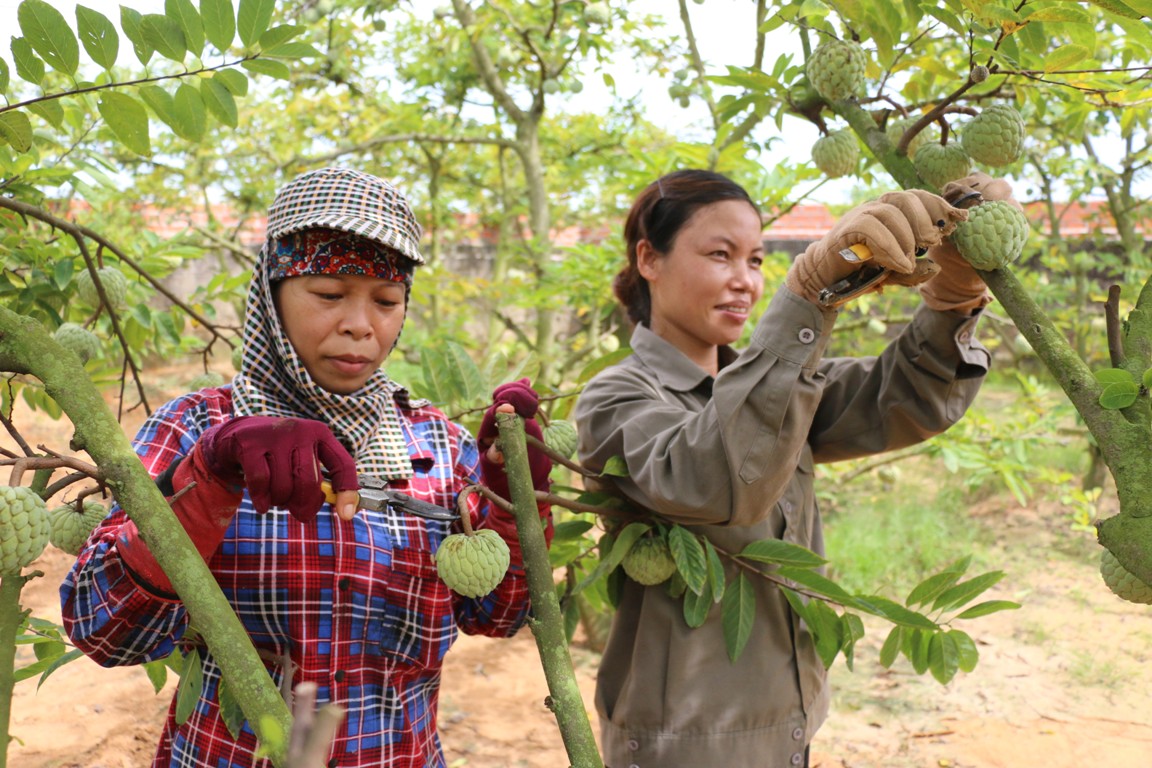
272 380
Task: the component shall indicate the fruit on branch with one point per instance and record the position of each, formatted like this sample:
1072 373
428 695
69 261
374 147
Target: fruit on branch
598 13
1123 582
979 73
71 526
79 340
237 356
24 528
836 69
649 561
895 131
836 154
473 564
206 380
561 437
939 164
993 235
994 137
115 287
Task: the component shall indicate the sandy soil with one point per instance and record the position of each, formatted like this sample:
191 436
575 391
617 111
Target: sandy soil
1061 682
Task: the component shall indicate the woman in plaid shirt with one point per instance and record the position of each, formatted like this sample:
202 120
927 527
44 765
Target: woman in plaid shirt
350 596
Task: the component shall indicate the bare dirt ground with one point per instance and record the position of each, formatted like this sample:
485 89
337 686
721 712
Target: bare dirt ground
1062 682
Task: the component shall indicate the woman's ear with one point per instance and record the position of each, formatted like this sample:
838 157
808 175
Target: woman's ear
647 260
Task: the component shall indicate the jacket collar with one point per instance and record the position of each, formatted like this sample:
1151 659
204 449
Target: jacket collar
672 367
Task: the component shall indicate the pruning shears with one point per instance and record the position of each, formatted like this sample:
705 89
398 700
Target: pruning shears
375 496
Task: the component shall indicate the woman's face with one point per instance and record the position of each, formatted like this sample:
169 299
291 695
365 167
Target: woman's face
341 326
704 288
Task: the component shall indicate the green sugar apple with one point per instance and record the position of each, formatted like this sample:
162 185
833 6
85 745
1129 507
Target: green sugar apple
206 380
939 164
561 437
473 564
649 561
1123 582
79 340
896 128
993 235
24 528
115 286
994 137
836 69
836 154
70 527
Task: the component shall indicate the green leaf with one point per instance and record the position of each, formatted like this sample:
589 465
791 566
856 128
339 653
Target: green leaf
615 467
689 556
894 612
191 115
715 570
988 607
188 19
1061 13
697 607
738 612
1146 379
293 51
1116 7
817 582
943 657
5 75
164 35
98 36
851 630
191 682
132 23
128 120
47 31
234 80
280 34
967 653
219 18
1113 375
1119 394
1064 56
916 645
826 629
781 553
157 672
891 648
932 586
966 591
16 129
230 711
58 661
29 67
219 101
62 272
277 69
253 19
161 103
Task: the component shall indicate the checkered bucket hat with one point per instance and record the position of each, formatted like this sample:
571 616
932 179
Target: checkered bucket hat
349 201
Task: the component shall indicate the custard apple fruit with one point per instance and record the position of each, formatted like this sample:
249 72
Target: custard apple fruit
649 561
561 437
473 565
115 286
206 380
994 137
237 357
24 527
78 339
993 235
70 527
836 154
836 69
939 164
1123 582
896 128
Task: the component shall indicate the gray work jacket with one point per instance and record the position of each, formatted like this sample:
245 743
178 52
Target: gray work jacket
732 457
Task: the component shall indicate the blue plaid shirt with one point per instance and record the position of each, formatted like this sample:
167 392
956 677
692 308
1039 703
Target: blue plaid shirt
355 605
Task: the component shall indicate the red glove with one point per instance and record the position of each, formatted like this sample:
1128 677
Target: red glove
524 400
279 461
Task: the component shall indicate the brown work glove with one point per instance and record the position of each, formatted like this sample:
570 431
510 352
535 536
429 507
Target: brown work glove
893 228
957 286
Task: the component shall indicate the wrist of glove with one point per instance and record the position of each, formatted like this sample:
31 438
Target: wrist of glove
957 286
205 510
893 229
279 461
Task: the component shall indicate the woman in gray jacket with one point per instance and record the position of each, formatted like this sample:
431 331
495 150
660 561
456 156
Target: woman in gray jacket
725 442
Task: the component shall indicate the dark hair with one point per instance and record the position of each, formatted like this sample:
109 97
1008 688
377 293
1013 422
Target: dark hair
658 215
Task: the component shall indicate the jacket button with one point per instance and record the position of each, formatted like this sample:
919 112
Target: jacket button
340 678
797 759
806 335
797 733
633 744
344 583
